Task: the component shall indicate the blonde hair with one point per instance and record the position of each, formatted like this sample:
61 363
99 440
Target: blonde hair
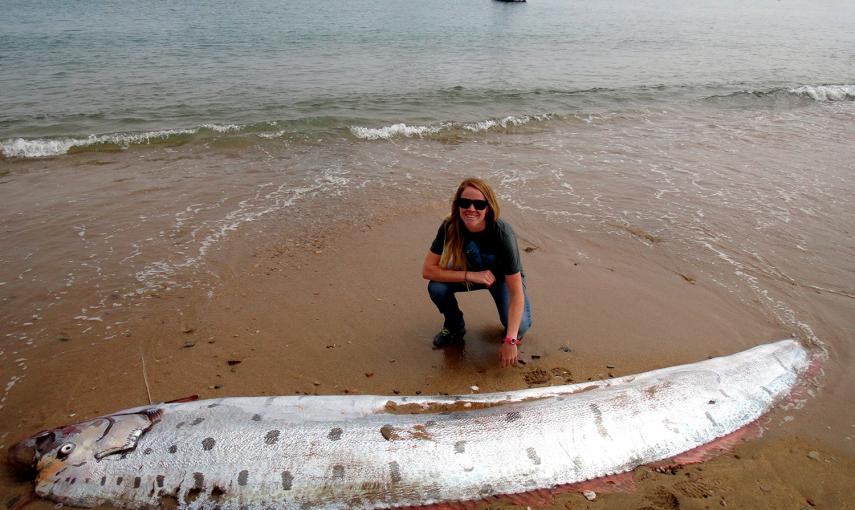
452 250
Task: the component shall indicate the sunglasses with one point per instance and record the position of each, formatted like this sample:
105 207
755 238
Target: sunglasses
464 203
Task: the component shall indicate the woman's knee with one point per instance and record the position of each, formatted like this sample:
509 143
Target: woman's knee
439 291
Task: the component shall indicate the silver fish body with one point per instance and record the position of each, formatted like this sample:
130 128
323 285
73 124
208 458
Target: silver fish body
379 452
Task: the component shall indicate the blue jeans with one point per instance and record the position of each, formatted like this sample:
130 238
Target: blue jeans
443 296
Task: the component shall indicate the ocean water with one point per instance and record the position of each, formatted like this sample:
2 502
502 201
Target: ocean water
114 74
142 140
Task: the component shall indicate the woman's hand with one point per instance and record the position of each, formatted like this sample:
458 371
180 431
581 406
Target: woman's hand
485 278
509 354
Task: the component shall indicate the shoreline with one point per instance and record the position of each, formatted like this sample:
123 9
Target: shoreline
267 331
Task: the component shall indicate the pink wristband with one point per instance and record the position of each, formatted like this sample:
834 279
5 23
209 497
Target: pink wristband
512 341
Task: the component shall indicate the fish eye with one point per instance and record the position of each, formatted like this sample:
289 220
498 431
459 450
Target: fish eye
65 449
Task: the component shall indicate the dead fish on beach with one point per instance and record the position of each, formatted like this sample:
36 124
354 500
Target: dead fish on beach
306 452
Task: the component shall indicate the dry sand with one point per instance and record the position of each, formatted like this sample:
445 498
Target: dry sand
347 312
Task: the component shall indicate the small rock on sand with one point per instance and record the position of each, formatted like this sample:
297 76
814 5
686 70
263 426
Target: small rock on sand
590 495
814 455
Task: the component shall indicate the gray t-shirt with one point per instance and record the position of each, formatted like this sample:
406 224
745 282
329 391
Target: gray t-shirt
494 249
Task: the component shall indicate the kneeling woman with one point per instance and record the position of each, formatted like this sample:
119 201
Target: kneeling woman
474 250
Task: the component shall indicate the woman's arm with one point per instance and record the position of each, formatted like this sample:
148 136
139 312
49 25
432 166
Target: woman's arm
509 353
432 271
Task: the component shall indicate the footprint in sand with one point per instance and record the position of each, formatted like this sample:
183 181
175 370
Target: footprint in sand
537 376
694 489
663 498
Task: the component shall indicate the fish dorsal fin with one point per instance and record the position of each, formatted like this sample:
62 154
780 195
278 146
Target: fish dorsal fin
124 431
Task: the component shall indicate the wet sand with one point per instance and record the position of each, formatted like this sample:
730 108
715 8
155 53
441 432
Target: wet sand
346 311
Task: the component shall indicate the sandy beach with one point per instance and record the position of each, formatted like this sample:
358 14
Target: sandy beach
345 311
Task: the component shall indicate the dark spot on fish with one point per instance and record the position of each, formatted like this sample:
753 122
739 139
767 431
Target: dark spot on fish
598 420
243 477
256 417
197 421
532 454
286 480
208 443
430 423
173 449
147 451
433 493
87 480
338 472
217 493
335 434
460 447
198 480
271 437
192 495
211 406
486 490
767 390
119 480
269 401
168 502
513 416
711 419
395 471
103 480
388 432
137 482
159 479
180 424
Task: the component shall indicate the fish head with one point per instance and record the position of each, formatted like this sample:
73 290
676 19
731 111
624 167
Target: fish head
63 451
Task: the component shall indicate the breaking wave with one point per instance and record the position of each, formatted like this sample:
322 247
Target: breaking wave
817 93
826 92
568 106
447 128
48 147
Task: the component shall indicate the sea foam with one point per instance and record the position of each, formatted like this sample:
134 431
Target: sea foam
404 130
826 92
45 147
395 130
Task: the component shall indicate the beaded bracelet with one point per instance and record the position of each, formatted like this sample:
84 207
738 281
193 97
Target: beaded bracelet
512 341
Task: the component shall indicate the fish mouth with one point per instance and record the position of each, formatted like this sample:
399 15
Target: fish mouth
23 456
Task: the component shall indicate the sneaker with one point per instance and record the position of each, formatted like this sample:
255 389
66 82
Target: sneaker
447 337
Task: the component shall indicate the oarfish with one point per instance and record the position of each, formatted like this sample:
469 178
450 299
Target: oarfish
307 452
